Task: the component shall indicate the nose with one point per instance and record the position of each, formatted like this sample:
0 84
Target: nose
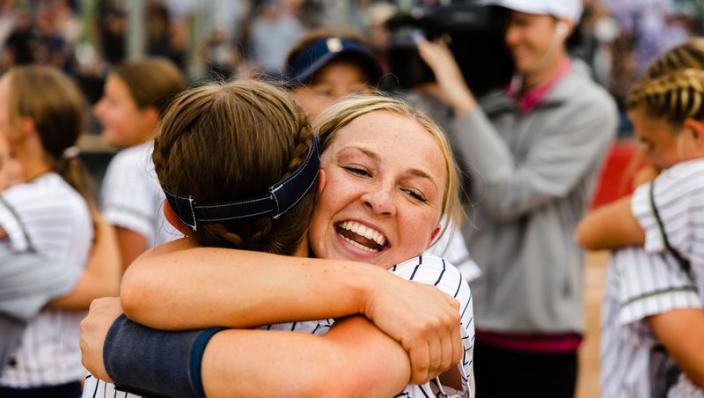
380 200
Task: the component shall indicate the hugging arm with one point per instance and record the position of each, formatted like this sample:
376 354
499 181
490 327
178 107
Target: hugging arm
197 288
609 227
101 277
354 359
682 332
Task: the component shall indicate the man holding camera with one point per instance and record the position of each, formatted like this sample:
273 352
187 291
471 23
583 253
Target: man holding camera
533 150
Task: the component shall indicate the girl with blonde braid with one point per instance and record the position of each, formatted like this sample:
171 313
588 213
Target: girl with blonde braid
652 323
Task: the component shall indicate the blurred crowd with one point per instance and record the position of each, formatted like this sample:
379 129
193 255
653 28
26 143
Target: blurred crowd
222 39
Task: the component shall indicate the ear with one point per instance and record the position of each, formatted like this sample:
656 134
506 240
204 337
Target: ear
696 129
173 219
24 128
322 180
151 116
434 235
564 28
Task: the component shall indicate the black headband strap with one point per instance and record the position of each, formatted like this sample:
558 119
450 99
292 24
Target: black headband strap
279 199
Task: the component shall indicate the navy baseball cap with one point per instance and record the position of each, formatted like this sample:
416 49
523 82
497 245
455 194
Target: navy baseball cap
311 59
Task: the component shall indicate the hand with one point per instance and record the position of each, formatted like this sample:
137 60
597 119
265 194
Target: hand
454 90
423 319
94 329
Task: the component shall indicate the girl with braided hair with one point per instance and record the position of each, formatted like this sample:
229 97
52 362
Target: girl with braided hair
373 209
653 323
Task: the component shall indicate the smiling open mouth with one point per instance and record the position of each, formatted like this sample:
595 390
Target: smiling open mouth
361 236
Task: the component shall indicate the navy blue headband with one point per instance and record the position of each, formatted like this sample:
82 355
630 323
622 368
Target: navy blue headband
318 54
279 199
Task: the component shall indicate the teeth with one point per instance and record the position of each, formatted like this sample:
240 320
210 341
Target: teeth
359 246
364 231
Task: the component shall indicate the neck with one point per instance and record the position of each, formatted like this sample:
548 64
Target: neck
535 78
146 136
33 161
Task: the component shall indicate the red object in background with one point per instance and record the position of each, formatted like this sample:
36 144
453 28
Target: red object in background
617 173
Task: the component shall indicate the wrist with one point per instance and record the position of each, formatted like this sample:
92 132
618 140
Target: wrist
370 282
464 105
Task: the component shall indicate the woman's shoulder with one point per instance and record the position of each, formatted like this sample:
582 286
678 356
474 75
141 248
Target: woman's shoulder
137 158
433 270
43 210
48 190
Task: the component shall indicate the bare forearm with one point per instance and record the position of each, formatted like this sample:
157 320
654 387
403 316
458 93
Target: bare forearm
610 227
131 244
682 333
218 287
355 360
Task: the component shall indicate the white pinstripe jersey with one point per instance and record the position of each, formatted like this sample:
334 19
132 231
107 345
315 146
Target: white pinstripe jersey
452 247
423 269
48 216
132 197
644 282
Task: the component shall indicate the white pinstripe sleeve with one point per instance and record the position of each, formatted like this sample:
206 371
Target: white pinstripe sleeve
679 197
432 270
130 192
638 285
651 284
96 388
10 222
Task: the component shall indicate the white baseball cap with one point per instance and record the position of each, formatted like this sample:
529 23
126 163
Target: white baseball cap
567 9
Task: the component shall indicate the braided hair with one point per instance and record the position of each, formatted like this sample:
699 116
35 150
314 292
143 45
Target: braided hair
671 87
227 142
689 54
675 96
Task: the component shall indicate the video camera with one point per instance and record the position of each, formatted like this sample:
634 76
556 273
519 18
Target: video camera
476 36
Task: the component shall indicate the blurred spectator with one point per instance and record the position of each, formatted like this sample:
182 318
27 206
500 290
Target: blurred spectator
219 56
328 65
112 31
135 98
654 24
162 39
275 28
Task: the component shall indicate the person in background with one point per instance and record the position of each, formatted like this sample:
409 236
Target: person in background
51 214
136 95
327 65
274 28
533 151
652 322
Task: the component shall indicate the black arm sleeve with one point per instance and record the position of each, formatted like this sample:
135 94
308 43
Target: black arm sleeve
155 363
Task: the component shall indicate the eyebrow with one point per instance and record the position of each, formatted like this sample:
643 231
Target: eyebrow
415 172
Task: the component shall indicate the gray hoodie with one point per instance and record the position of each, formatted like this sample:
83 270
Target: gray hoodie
532 177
